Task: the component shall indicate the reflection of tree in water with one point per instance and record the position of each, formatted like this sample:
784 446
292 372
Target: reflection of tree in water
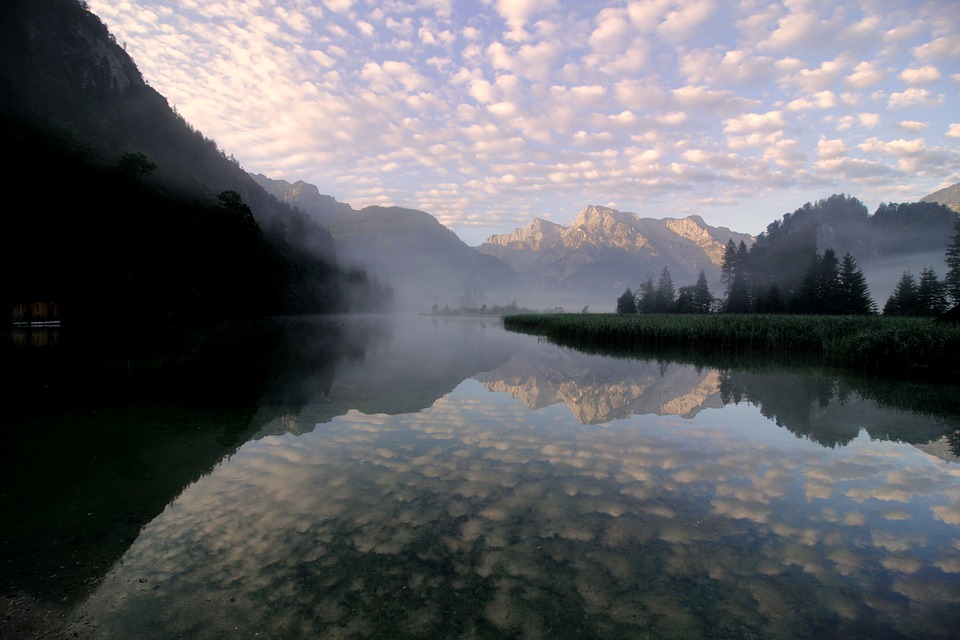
953 439
831 412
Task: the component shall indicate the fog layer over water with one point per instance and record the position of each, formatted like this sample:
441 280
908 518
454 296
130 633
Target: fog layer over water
460 481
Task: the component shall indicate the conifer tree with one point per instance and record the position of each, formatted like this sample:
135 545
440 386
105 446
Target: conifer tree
665 297
627 302
646 297
931 294
952 279
702 298
828 282
903 300
854 295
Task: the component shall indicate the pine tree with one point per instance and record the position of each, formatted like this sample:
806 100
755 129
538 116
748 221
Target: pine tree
854 295
771 301
665 297
952 280
828 282
807 299
646 297
903 300
729 266
738 300
702 298
627 302
931 294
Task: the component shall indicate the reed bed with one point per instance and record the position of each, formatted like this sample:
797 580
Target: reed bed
869 345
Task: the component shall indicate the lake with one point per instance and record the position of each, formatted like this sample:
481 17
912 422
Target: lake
422 477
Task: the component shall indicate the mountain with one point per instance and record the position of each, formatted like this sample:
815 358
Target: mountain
304 196
598 390
424 262
948 196
605 250
134 213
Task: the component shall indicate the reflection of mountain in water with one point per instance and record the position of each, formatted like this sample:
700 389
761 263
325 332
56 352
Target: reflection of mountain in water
828 412
598 389
417 361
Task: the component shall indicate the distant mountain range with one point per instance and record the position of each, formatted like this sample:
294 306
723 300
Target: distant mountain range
604 251
608 250
425 263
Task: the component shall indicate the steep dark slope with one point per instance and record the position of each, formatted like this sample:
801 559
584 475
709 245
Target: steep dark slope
133 225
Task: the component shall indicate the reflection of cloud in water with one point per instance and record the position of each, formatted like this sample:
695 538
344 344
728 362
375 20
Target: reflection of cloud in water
479 518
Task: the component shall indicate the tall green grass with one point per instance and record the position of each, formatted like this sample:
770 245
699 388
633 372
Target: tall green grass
868 345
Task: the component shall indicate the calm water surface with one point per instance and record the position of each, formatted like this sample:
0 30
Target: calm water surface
446 479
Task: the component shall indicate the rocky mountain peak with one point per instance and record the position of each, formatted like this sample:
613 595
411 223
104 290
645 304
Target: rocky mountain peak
603 226
694 229
538 235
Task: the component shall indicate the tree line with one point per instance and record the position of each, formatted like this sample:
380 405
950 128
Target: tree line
829 285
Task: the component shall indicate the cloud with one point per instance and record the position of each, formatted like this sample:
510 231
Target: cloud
517 13
771 120
797 29
922 75
942 48
912 126
684 21
953 130
865 74
913 97
819 100
738 67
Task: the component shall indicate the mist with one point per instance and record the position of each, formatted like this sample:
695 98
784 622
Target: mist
882 275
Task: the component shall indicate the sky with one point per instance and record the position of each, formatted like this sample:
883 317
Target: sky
489 113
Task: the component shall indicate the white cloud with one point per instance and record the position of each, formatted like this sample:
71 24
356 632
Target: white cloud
819 100
798 29
812 80
912 126
750 122
517 13
339 6
914 97
953 130
684 21
735 66
611 31
640 95
922 75
943 48
864 75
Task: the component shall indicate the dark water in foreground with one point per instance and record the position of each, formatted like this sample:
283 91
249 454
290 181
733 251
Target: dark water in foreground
420 478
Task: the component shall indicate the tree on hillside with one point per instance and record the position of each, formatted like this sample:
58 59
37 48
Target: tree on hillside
828 282
733 273
854 295
903 300
952 279
627 302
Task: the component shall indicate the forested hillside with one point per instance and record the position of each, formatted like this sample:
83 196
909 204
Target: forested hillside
126 211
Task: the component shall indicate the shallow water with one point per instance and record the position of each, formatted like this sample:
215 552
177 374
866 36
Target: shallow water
447 479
